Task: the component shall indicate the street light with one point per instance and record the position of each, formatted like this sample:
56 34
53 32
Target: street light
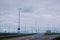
19 20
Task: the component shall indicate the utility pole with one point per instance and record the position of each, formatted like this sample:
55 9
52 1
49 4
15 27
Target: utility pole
25 28
19 20
48 26
9 28
48 31
36 25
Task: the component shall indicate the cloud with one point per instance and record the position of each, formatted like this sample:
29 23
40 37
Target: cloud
44 11
27 10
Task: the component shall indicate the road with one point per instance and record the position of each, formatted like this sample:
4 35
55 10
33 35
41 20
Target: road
35 37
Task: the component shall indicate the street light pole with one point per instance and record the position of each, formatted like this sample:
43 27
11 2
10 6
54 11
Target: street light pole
19 20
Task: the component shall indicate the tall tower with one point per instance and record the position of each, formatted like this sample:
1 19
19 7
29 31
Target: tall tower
19 20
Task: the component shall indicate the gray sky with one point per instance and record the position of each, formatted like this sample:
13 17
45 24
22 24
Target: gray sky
41 12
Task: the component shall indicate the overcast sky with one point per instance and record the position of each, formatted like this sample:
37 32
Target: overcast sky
39 12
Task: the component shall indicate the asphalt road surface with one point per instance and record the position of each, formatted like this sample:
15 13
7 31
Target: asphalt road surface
35 37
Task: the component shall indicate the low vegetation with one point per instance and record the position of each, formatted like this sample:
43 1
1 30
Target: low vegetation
57 38
11 35
52 33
